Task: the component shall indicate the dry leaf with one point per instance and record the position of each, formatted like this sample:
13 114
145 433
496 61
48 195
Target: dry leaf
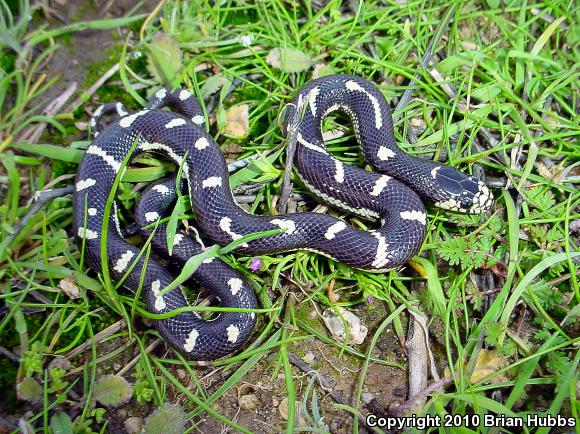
68 285
487 363
552 173
289 59
336 325
332 296
237 121
299 417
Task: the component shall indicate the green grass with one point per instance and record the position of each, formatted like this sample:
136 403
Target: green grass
499 97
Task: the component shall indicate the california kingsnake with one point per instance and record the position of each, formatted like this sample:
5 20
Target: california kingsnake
391 196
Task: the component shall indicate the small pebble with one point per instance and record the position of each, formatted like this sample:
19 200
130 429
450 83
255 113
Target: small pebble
25 426
59 362
399 392
308 357
283 409
248 402
133 425
367 397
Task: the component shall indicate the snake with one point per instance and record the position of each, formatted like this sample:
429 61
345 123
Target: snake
173 124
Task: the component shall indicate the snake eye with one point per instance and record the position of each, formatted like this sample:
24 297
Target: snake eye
466 203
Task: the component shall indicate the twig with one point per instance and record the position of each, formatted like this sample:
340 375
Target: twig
103 11
478 294
9 354
322 382
33 133
240 164
547 17
97 339
214 98
421 360
418 360
562 278
292 133
410 403
133 362
39 297
91 90
246 198
40 199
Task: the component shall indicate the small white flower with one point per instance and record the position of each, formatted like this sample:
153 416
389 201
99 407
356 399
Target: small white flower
246 40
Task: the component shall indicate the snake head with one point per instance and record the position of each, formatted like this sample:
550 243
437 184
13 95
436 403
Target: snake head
459 192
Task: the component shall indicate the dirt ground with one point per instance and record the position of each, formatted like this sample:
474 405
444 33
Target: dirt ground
81 50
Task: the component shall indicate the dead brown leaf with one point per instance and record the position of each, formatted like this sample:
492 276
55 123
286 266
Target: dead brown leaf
237 121
488 362
68 285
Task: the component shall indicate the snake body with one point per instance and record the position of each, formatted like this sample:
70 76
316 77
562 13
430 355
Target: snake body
393 196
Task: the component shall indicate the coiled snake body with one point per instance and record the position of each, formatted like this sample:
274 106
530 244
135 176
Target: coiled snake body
392 196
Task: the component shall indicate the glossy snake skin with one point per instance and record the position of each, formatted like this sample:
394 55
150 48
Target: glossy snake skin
392 195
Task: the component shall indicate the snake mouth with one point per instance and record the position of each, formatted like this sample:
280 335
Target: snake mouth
482 200
480 203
